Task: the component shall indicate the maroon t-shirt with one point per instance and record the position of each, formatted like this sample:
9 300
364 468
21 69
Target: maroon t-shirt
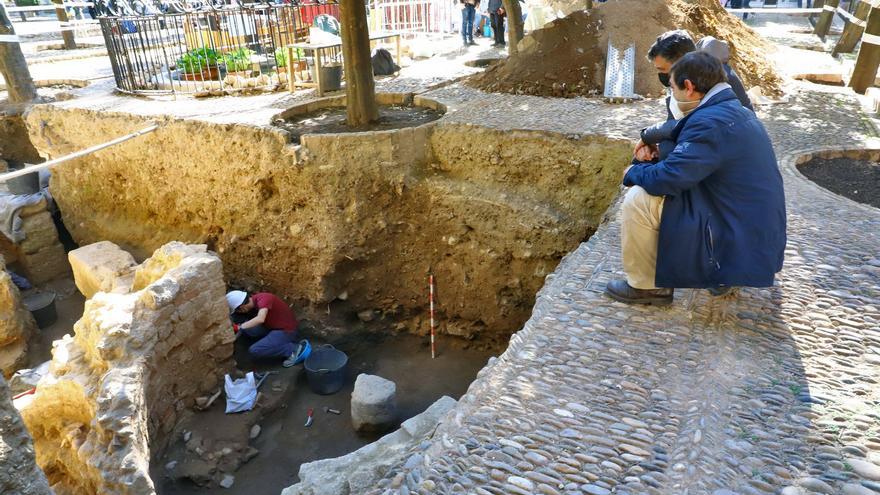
280 316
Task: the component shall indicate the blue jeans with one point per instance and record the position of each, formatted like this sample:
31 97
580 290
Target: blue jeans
270 343
467 22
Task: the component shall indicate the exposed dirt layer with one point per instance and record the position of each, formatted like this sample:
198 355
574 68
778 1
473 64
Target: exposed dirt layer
858 180
284 442
567 57
360 221
332 120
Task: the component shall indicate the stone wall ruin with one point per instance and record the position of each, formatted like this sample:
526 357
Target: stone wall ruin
139 358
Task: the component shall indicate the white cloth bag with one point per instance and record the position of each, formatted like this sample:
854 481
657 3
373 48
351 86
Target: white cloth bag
240 394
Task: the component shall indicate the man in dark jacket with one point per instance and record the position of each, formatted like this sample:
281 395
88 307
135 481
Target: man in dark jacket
712 214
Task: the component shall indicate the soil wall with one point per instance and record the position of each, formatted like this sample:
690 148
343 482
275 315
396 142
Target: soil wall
14 142
362 219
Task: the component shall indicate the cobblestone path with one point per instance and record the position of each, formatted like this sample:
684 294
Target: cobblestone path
765 391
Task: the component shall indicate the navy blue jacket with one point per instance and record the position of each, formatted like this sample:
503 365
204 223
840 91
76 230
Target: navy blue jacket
723 220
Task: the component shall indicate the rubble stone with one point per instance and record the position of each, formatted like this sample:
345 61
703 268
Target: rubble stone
16 325
363 468
102 267
373 403
19 473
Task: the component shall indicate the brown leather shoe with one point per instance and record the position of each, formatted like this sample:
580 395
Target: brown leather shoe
621 291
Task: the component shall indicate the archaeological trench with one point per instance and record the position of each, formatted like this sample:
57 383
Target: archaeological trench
356 222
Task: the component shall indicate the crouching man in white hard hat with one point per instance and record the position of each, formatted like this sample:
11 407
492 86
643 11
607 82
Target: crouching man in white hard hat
273 324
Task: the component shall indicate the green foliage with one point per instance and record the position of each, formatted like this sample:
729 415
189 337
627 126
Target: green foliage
196 61
238 60
281 56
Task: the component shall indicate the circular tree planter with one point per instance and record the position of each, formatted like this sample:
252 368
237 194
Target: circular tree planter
853 174
320 119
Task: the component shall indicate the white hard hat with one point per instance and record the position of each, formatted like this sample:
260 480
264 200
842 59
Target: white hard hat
235 298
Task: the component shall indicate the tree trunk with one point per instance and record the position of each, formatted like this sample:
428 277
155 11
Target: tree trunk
514 24
360 89
13 65
66 34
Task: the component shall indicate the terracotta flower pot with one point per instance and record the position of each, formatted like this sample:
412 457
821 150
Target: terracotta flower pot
211 73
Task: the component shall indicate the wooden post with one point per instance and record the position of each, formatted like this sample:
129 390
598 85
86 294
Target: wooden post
13 66
817 4
66 33
829 9
869 54
514 25
360 89
291 87
853 30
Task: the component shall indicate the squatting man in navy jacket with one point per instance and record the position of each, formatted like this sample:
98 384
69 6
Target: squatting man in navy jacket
711 214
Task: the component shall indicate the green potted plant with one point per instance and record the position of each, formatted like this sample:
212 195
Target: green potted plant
199 65
299 61
238 61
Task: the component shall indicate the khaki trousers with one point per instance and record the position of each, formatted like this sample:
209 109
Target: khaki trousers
639 231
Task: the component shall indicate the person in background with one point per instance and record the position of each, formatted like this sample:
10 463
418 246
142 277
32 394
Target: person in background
481 19
496 17
267 319
468 12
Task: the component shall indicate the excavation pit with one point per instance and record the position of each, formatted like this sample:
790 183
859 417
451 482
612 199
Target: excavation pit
346 227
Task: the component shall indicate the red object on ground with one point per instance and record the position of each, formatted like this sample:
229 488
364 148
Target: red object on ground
24 393
280 316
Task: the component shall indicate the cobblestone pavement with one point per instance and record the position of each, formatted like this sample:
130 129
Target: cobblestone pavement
766 391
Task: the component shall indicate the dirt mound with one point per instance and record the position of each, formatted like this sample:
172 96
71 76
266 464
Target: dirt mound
567 57
563 59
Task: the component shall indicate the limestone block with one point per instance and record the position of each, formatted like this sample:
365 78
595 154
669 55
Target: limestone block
19 473
373 403
102 267
46 264
39 231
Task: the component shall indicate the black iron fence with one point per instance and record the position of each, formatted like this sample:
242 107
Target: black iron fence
212 49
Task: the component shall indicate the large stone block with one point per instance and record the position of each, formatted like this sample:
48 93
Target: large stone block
373 403
102 267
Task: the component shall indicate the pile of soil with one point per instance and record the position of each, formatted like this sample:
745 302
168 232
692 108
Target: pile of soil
858 180
567 57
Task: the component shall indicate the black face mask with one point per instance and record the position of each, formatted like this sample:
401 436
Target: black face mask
664 79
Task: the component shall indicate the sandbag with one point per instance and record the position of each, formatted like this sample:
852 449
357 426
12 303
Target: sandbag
240 394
